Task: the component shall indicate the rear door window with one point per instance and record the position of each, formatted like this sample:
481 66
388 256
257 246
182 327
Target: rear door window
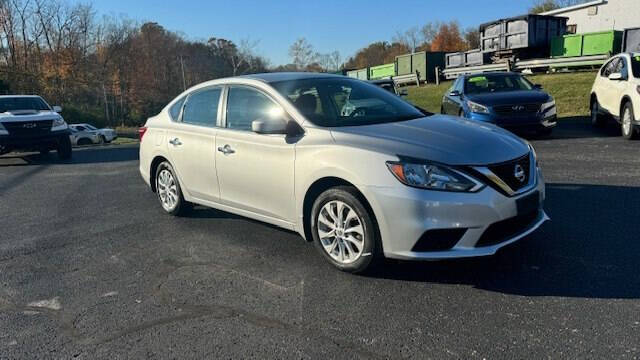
202 107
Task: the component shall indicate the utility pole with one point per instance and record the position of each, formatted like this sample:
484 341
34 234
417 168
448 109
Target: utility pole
184 82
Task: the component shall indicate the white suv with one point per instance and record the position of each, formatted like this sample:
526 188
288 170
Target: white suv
616 93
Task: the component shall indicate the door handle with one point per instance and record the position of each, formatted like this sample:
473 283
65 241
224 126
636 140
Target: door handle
175 142
227 150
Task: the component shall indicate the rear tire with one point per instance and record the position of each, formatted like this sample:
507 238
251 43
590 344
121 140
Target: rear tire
64 148
103 140
629 130
344 231
169 191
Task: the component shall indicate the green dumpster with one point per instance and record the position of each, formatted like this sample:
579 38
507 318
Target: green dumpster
382 71
597 43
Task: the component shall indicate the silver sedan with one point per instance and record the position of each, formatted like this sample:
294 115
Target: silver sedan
351 167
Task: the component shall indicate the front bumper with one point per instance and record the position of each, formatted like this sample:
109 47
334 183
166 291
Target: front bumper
534 122
29 142
406 214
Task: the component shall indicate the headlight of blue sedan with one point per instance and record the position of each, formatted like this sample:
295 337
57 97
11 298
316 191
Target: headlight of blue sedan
477 108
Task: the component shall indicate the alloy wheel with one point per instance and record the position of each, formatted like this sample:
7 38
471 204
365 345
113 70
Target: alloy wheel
167 190
341 232
626 121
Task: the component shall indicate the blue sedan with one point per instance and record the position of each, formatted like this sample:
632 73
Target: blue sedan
508 100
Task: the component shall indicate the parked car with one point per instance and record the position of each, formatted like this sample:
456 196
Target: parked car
381 180
29 123
80 136
105 135
506 99
616 94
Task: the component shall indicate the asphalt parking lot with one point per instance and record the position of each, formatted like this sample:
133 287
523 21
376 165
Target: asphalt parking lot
91 268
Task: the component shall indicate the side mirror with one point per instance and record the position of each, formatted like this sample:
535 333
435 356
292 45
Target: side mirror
269 126
455 93
57 109
403 92
537 86
615 77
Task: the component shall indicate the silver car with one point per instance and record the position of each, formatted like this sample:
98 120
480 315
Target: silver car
351 167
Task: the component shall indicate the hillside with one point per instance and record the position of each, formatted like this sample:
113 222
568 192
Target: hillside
571 91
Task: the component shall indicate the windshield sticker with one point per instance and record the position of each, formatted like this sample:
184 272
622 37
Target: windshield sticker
478 79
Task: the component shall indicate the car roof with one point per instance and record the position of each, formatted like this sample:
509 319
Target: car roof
492 73
19 96
288 76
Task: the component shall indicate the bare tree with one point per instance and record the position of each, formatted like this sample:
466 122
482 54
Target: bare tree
411 38
301 53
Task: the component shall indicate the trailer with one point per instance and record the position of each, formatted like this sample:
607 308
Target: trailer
423 63
596 43
631 40
361 74
467 58
521 37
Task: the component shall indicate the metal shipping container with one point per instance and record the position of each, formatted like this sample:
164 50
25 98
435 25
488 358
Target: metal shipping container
424 63
362 74
597 43
530 33
382 71
467 58
631 40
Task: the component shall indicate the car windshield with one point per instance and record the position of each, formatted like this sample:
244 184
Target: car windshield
23 103
345 102
635 65
484 83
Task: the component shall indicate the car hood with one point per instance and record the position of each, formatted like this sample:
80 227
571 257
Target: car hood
445 139
28 115
509 97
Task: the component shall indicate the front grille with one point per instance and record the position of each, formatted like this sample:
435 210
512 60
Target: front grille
508 172
526 109
28 128
504 230
438 240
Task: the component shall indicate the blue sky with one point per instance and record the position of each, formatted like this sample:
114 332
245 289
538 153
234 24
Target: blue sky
329 25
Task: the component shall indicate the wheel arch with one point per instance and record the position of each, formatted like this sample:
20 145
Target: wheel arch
157 160
625 99
317 188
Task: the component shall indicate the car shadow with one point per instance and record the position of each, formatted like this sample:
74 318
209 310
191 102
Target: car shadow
589 249
103 154
577 127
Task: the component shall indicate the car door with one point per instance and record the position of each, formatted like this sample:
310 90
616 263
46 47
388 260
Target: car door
607 93
191 144
255 171
619 87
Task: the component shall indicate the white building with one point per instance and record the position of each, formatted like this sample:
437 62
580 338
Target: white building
600 15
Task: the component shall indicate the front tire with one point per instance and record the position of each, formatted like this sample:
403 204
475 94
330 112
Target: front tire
597 119
629 130
169 191
64 148
344 231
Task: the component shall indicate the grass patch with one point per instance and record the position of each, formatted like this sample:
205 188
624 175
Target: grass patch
124 141
571 91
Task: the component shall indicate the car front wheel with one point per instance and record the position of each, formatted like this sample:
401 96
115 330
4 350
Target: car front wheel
596 119
64 148
344 231
169 191
629 130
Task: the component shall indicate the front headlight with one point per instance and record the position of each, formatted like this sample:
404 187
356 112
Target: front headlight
59 123
477 108
546 107
433 177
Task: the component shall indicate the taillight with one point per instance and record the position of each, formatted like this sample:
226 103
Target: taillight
141 132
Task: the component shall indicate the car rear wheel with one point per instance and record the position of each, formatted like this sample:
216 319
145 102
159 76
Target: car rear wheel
596 118
169 191
344 231
103 140
64 148
629 130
